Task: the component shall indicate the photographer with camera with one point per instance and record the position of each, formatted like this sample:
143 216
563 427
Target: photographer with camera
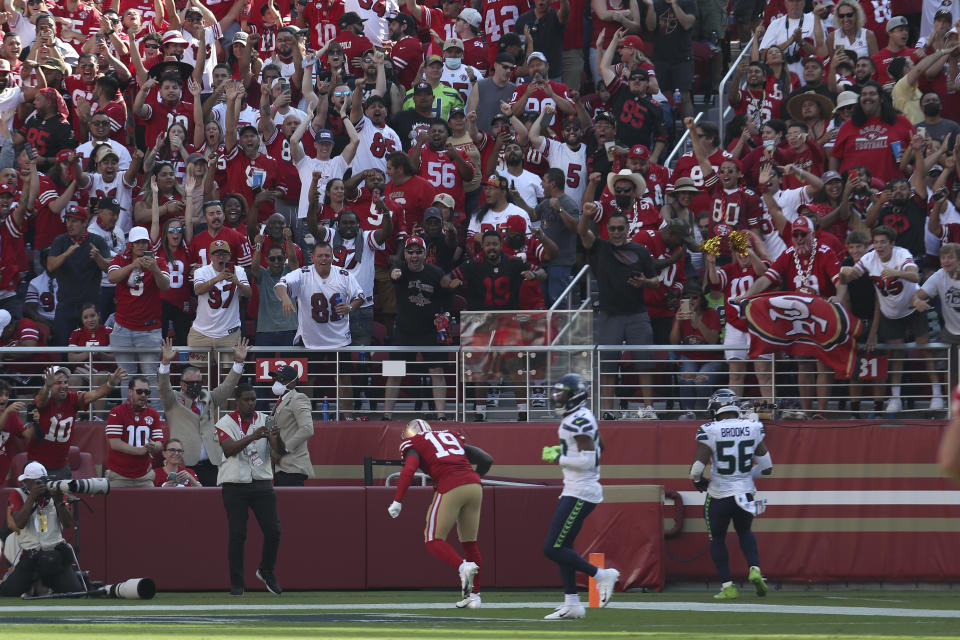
248 439
38 516
49 439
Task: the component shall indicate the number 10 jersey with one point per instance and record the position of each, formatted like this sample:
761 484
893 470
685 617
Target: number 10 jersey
732 444
443 458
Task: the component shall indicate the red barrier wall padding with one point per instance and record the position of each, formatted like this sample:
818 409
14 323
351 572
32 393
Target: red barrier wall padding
340 538
818 541
179 538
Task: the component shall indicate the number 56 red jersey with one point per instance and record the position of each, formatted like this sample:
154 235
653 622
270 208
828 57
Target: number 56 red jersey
443 458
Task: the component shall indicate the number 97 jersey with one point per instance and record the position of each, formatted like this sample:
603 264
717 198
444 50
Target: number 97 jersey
732 445
443 458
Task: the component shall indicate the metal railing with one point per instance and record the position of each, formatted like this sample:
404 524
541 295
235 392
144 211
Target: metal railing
724 106
513 380
681 147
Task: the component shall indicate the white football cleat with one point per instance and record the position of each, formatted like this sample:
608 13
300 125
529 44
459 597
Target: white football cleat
606 579
470 602
468 571
566 612
936 404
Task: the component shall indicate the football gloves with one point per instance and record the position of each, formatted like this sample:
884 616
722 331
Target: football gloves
551 454
394 509
702 484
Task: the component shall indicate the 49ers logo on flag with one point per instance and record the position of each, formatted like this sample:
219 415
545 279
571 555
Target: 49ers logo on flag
803 325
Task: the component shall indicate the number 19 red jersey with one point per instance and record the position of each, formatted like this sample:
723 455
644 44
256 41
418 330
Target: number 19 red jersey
443 458
56 422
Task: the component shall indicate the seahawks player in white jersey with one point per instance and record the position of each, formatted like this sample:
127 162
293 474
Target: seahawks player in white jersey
735 449
579 456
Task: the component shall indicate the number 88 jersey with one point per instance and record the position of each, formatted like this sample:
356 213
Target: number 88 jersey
443 458
732 444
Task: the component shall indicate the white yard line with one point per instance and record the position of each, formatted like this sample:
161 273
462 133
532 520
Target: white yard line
429 606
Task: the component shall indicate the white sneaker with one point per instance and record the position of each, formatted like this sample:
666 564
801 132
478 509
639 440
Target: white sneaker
468 571
893 406
567 611
470 602
646 412
936 404
606 579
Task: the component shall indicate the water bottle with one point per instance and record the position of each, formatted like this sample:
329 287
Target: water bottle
677 98
325 410
335 302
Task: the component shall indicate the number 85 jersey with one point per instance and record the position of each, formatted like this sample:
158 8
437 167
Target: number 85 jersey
443 458
732 444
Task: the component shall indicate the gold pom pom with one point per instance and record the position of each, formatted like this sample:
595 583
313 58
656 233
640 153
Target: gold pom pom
739 242
711 245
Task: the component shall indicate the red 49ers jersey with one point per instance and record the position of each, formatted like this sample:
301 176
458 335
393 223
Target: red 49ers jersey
322 22
738 210
443 458
244 174
77 87
161 115
138 305
531 293
657 178
642 215
499 17
735 281
822 279
56 422
760 106
136 428
689 167
85 20
439 169
671 277
539 98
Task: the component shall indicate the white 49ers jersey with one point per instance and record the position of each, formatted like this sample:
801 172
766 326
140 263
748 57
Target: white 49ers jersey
320 326
732 444
572 163
218 310
375 145
789 200
577 483
895 293
459 79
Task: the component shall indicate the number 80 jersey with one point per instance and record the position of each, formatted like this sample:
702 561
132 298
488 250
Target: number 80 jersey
443 458
732 444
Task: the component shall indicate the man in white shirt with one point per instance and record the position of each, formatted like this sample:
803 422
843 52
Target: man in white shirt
219 287
895 277
793 34
326 296
528 184
377 140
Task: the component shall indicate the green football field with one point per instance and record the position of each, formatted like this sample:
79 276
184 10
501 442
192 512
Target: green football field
515 614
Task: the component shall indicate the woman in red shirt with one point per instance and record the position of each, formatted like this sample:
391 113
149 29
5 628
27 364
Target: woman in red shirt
177 302
173 473
91 373
695 323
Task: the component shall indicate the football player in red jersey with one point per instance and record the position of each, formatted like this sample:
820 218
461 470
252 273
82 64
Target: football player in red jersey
449 460
134 435
49 439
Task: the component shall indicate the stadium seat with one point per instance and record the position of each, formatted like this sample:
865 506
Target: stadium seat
81 464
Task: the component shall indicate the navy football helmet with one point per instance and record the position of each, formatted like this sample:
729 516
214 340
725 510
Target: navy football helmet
569 393
723 401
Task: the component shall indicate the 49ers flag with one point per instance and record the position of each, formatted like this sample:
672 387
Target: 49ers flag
803 325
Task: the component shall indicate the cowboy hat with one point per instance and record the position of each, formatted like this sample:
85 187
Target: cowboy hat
625 174
794 104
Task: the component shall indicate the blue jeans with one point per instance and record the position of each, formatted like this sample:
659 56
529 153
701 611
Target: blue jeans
142 354
275 338
558 277
65 320
700 390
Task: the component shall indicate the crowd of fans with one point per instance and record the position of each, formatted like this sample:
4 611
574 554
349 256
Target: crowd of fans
203 170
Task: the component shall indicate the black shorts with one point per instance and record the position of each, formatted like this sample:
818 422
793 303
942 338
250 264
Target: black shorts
414 365
906 328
